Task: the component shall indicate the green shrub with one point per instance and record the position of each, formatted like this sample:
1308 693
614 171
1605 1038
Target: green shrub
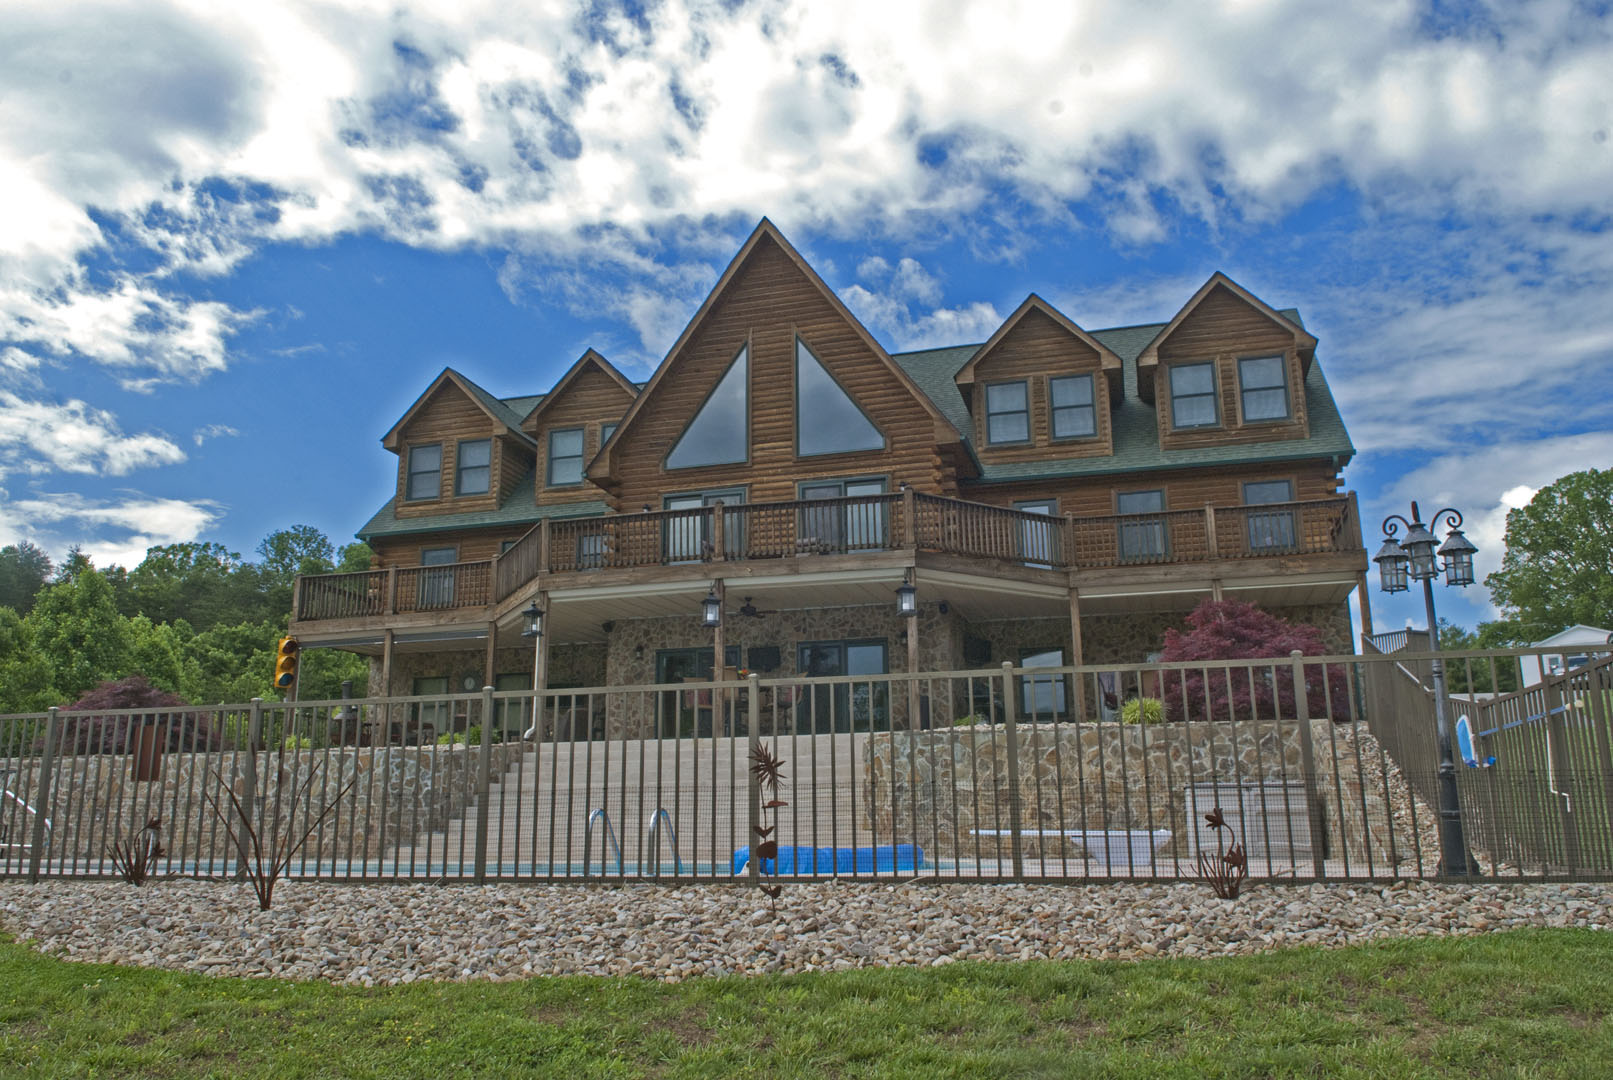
968 721
298 742
471 736
1142 711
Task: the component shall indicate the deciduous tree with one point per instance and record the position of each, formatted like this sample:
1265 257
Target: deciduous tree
1558 566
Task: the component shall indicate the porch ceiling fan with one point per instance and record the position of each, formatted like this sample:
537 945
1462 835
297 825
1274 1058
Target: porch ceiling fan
752 611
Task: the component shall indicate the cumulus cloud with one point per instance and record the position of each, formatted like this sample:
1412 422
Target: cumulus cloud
41 436
111 531
228 127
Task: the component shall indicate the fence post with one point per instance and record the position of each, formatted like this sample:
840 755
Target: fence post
483 782
1307 762
1011 737
42 795
753 722
718 549
249 794
909 517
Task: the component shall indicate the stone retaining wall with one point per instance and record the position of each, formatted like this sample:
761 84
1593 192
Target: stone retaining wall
939 787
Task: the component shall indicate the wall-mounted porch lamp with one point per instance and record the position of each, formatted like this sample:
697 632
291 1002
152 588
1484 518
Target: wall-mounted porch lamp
711 609
907 597
534 621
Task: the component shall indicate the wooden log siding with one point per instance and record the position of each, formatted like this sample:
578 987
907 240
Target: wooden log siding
590 401
448 418
1184 489
1036 350
1222 329
800 527
766 305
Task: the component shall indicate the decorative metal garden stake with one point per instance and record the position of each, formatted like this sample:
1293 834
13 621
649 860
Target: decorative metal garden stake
768 769
1228 870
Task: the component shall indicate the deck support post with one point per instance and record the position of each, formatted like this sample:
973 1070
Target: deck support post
488 662
1216 593
913 658
1364 602
719 656
1076 658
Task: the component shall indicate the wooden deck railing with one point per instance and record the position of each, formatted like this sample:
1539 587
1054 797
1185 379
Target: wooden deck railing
840 526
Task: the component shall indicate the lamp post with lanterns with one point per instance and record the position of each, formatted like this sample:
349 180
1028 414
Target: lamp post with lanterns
1414 558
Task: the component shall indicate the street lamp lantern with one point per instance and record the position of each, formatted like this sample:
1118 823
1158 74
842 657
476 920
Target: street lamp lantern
534 621
1419 547
1415 557
1458 551
1392 564
711 609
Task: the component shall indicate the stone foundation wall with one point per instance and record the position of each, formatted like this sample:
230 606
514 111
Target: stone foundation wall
939 787
635 642
400 795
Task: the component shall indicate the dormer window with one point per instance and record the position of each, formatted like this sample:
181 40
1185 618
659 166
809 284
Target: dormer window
1008 414
1074 414
474 467
565 457
1193 395
1263 384
425 472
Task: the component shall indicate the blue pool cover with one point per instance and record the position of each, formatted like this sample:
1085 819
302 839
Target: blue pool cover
885 858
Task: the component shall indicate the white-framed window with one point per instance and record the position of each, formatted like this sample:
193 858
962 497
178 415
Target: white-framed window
1142 539
425 472
1193 395
1042 697
473 467
1008 413
1270 530
1038 540
565 457
1075 413
1263 384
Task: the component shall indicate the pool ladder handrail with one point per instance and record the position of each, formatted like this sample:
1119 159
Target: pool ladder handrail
9 796
653 826
588 845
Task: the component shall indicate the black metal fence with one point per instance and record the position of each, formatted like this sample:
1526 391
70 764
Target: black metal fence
1323 768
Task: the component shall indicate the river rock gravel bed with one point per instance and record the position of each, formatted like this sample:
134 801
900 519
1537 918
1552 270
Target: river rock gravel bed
387 934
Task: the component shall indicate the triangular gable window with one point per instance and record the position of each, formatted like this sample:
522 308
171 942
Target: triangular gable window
719 434
827 421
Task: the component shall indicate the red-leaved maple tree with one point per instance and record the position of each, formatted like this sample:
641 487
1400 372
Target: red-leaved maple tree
1234 630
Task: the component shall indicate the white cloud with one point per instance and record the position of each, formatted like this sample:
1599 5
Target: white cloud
109 531
213 431
40 436
1483 483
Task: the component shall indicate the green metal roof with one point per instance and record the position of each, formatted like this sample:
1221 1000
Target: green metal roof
1136 432
520 508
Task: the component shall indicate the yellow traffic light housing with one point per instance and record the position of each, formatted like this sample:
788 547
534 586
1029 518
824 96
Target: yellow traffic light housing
285 663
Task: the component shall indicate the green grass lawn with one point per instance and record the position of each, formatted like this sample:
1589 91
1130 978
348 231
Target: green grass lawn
1526 1003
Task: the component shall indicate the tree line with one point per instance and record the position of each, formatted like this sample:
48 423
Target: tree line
195 619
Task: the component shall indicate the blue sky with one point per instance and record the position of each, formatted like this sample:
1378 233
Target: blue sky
240 239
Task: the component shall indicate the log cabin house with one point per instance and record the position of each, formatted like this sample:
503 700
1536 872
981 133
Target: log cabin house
1055 494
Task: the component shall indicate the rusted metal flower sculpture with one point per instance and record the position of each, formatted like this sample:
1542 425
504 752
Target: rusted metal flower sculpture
1228 869
768 769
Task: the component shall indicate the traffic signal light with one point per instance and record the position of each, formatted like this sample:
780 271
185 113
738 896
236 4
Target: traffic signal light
285 663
